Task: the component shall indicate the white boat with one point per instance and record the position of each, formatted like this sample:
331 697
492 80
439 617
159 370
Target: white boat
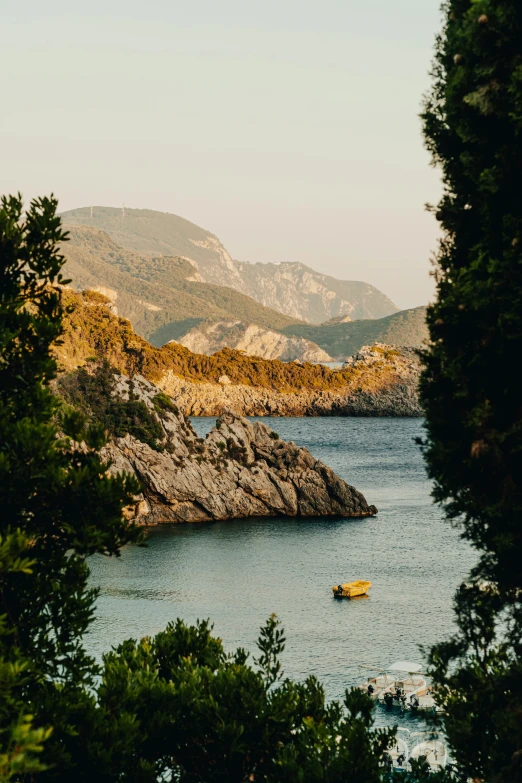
398 753
434 751
377 683
423 703
408 682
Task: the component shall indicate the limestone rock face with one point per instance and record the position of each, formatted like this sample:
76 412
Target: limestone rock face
239 470
211 336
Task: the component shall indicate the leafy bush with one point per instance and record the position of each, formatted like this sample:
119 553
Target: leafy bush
162 402
177 707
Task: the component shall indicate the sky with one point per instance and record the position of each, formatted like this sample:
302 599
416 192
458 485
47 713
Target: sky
288 128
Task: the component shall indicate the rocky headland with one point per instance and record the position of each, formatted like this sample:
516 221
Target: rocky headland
394 395
239 470
379 380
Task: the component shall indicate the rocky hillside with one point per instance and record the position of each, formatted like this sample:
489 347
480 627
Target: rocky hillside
239 470
381 384
210 336
341 339
337 339
290 288
384 383
299 291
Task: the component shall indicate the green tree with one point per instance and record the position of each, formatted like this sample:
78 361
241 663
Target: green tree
177 707
20 742
471 386
56 500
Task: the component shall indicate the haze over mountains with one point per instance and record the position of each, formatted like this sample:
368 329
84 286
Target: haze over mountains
176 281
291 288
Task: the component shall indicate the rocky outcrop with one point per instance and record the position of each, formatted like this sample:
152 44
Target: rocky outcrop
394 394
211 336
239 470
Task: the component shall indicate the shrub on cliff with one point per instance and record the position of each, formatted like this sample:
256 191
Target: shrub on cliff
470 387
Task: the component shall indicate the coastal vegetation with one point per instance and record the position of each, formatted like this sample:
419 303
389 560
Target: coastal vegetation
93 332
93 393
471 389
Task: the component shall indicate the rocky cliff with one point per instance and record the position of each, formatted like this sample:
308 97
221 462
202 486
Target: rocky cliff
239 470
301 292
211 336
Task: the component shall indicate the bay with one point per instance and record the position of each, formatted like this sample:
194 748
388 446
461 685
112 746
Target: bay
238 572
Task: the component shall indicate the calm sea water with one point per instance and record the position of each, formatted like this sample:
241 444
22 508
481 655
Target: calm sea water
238 572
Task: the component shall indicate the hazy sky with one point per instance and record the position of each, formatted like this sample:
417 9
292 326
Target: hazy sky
289 128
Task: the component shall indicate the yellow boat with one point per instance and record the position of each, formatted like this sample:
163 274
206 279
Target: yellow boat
351 589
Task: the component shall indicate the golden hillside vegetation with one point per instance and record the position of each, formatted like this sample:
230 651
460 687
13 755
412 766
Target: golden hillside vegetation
92 331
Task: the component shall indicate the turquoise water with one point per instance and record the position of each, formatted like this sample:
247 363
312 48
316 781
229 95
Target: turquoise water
238 572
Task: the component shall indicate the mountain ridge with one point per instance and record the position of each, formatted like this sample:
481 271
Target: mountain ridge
380 381
291 288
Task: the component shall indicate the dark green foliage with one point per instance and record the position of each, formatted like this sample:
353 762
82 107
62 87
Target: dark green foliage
236 451
20 742
478 677
162 402
92 393
274 435
471 389
54 498
471 386
177 707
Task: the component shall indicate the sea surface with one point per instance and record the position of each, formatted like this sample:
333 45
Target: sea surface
236 573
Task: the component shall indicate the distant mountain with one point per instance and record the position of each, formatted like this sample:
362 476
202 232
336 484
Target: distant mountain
155 294
406 328
291 288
